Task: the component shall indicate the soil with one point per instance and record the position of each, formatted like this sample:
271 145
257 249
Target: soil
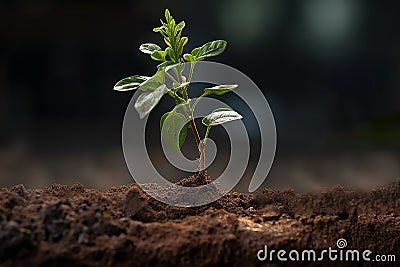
74 226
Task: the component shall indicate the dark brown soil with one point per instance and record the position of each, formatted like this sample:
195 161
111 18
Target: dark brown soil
73 226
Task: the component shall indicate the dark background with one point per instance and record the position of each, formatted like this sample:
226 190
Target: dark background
330 70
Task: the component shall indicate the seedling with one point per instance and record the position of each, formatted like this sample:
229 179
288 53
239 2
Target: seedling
174 124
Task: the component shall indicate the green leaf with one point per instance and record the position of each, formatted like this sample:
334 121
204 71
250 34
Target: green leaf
167 43
149 48
163 117
177 70
173 129
167 15
159 55
158 29
148 100
176 67
219 116
180 26
153 82
220 89
195 51
170 53
182 135
189 57
182 43
209 49
171 24
164 65
130 83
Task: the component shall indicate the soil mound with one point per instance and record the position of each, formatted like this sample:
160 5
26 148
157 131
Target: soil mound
74 226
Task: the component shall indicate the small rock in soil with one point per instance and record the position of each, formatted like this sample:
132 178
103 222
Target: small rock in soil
136 201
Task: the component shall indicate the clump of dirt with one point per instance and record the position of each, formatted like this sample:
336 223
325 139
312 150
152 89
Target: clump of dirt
178 195
74 226
198 179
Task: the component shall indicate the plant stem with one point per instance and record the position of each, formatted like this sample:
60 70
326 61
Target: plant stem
171 77
175 96
198 100
192 124
200 145
206 135
184 91
185 95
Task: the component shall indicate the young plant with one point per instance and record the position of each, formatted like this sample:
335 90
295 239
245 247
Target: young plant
173 124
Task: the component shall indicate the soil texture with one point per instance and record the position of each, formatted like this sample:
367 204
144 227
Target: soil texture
74 226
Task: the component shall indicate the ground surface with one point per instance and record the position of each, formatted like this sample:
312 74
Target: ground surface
73 226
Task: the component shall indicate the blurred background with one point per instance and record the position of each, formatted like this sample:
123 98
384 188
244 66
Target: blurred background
330 70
